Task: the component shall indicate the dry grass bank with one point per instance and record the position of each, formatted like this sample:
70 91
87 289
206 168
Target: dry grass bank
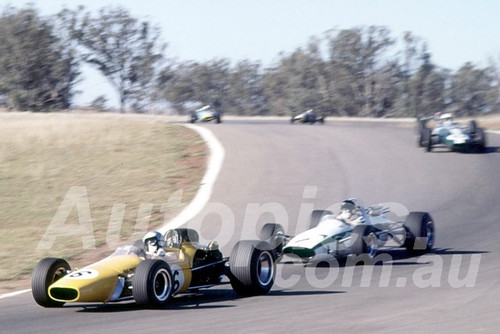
116 159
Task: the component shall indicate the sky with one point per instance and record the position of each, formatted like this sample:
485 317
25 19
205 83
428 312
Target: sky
456 31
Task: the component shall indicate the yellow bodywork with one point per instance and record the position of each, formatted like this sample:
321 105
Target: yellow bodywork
98 281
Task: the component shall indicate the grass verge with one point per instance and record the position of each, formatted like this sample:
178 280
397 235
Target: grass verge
123 169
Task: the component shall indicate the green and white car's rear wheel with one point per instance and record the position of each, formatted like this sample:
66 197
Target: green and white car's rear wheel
252 268
420 232
152 283
46 272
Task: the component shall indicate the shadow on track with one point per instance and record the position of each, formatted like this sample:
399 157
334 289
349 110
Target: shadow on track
198 301
487 150
492 149
451 251
395 257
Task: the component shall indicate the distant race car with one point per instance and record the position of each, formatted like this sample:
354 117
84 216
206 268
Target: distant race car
449 134
129 274
340 236
308 117
205 114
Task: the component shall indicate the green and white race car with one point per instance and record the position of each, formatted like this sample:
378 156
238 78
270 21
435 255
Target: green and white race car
447 133
355 230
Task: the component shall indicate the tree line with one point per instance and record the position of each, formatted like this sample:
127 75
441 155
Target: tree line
362 71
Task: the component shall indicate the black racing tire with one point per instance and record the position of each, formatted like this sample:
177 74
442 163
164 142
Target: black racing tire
420 233
364 241
480 140
427 139
316 216
46 272
421 125
152 283
252 268
473 126
422 139
274 234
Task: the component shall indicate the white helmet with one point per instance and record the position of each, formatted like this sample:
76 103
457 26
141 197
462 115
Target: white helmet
348 209
153 241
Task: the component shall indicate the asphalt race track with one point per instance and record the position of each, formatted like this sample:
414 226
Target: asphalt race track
277 171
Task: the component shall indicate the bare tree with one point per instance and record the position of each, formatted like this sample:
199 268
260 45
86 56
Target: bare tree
126 51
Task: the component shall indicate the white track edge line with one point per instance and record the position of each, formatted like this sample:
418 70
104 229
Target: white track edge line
204 193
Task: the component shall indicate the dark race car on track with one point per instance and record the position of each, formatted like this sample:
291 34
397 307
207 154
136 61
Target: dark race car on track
447 133
309 116
355 230
178 264
205 114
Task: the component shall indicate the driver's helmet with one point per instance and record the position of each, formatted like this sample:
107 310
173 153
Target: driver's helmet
153 241
447 118
348 209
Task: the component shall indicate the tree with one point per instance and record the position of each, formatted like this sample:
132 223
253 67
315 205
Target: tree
126 51
245 91
470 90
418 85
175 87
37 69
299 82
360 74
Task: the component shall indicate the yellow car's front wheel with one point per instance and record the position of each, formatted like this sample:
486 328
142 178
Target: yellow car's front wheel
152 283
46 272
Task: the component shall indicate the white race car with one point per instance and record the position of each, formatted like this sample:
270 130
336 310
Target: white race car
355 230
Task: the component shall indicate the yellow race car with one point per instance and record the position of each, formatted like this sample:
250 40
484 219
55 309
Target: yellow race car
129 273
